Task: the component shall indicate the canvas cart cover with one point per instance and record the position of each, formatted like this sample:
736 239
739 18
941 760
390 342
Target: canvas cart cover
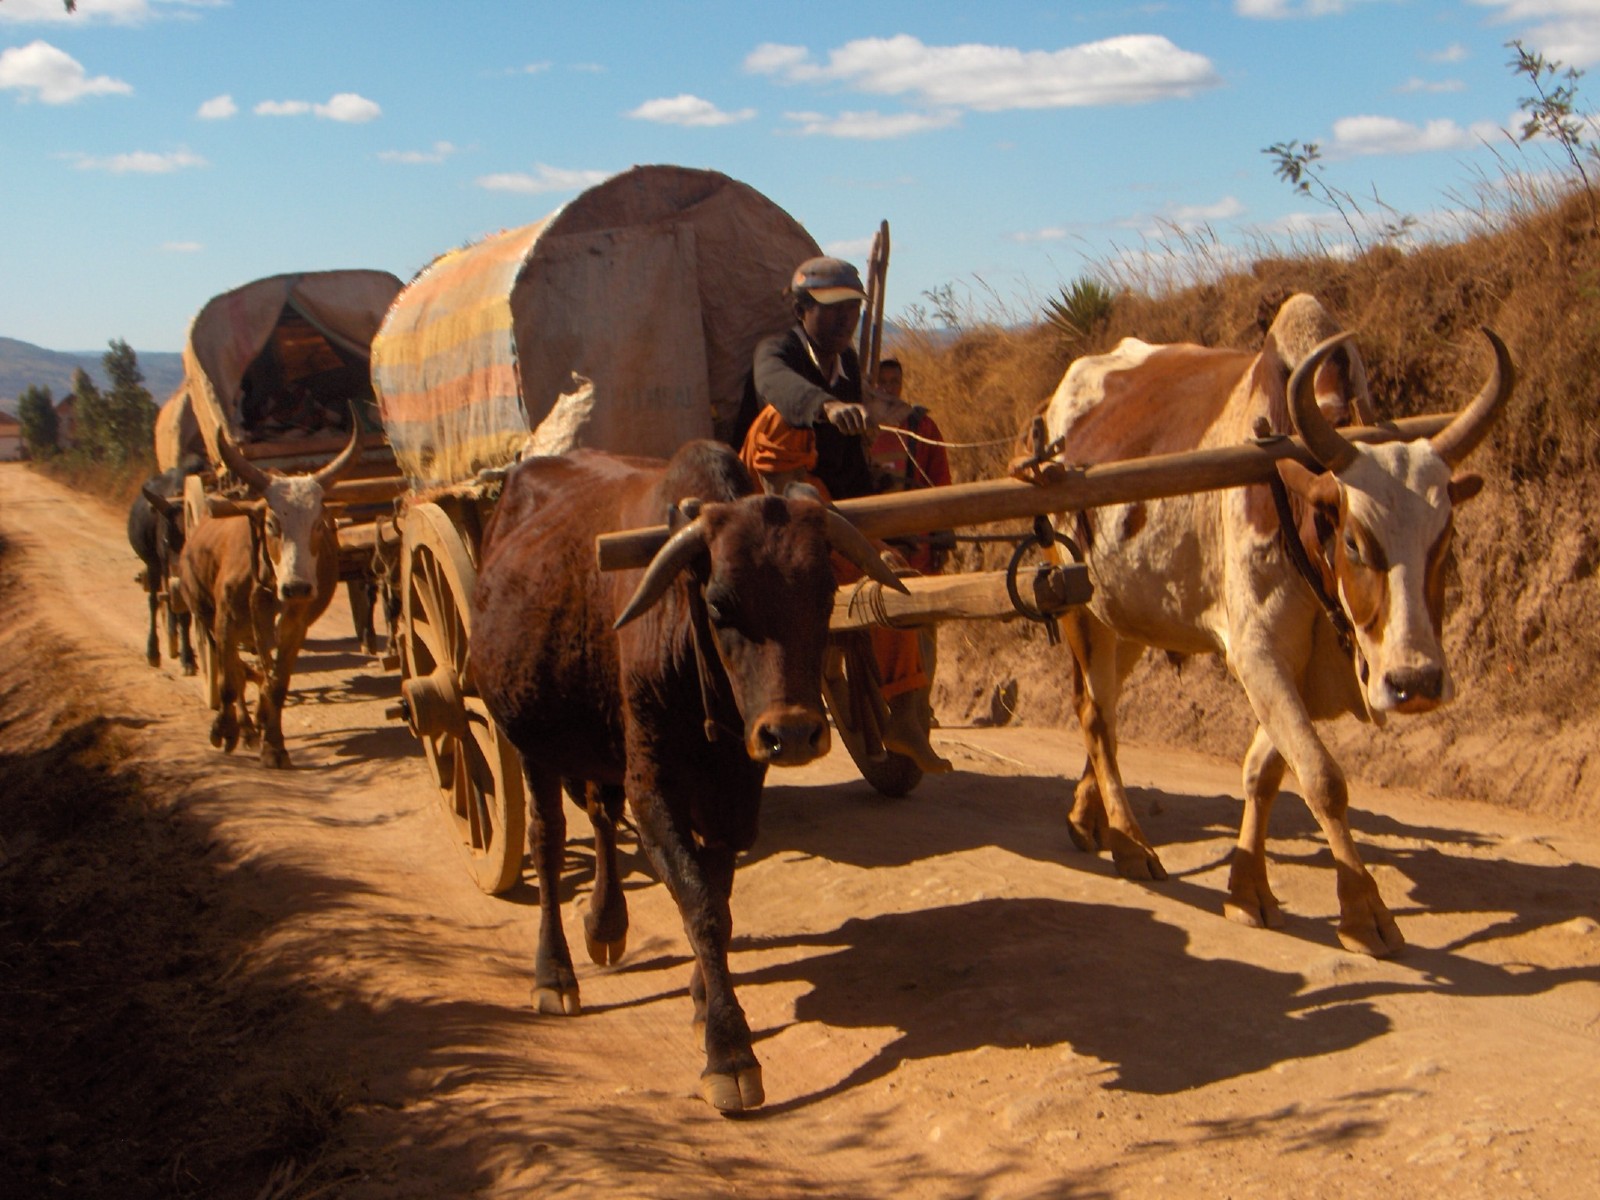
177 433
230 332
654 287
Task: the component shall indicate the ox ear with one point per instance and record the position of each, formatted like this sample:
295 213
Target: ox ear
1465 487
1320 489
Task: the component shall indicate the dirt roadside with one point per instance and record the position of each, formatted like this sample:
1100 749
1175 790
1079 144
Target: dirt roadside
949 1001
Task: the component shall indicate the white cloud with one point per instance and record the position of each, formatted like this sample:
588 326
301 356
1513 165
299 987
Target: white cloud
1432 87
218 108
440 152
850 249
1565 30
869 126
282 108
344 106
349 108
1190 216
120 12
1120 70
1453 53
688 110
1277 10
1053 233
1353 136
140 162
182 247
39 71
543 179
36 12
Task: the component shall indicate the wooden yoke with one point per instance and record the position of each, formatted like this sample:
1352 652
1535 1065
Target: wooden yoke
1071 490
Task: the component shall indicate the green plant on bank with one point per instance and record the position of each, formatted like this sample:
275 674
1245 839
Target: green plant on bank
1296 165
36 412
1553 112
1080 310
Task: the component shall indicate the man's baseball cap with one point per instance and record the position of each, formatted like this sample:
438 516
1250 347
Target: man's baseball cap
828 281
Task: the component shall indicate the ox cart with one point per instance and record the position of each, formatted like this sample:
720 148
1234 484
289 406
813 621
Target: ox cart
626 321
278 369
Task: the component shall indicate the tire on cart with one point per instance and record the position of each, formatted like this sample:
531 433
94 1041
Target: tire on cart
475 769
850 689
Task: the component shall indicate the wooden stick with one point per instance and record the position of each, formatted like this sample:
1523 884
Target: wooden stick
980 595
1078 488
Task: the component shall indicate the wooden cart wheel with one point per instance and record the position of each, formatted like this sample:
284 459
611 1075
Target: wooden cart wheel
849 686
477 771
207 677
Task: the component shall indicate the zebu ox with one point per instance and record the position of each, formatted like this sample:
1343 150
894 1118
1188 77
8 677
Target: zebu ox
1210 573
709 674
155 531
256 575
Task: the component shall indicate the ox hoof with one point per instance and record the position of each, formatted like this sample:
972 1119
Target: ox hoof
1135 861
153 659
1257 916
557 1002
733 1093
606 953
275 757
1378 940
189 668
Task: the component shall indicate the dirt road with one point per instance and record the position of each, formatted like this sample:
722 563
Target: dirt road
949 1001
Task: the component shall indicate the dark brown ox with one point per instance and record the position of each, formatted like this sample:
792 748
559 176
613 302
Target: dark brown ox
1211 573
679 687
256 576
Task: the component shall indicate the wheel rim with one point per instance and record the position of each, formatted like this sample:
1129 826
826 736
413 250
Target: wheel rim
475 771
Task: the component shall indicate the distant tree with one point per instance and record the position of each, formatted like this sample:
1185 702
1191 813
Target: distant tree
128 413
95 427
37 412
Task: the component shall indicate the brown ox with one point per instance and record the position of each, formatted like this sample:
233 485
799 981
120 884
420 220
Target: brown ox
709 674
1210 573
255 577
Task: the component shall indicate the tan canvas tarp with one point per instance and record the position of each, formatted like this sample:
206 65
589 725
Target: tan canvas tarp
654 286
226 336
177 434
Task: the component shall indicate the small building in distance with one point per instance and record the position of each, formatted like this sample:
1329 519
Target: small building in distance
12 447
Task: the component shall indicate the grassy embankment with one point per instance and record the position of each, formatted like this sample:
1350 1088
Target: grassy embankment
1524 623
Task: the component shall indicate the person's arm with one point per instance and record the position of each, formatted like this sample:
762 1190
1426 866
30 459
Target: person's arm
798 400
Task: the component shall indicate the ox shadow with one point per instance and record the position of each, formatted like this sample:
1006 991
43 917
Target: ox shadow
1033 973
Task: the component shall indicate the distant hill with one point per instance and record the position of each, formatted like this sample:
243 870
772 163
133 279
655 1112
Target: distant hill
24 365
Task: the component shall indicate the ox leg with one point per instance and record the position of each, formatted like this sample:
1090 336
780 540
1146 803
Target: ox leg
605 928
1250 899
700 880
152 645
1102 816
182 621
230 690
363 596
1365 924
277 667
555 983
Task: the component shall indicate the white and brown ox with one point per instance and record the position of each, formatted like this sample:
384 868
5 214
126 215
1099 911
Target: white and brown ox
256 575
1211 573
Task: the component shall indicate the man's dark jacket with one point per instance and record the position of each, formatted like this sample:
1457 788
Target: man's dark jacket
785 377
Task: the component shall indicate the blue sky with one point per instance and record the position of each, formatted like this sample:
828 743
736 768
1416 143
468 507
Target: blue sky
156 152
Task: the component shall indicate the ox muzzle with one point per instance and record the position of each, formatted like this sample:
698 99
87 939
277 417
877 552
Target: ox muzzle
789 735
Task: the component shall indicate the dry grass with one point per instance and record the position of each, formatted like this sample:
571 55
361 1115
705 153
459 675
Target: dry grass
1523 626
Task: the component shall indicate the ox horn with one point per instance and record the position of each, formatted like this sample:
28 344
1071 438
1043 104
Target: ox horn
1327 445
854 546
233 458
1459 438
680 550
334 469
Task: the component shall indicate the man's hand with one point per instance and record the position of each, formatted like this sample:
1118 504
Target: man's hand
848 419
